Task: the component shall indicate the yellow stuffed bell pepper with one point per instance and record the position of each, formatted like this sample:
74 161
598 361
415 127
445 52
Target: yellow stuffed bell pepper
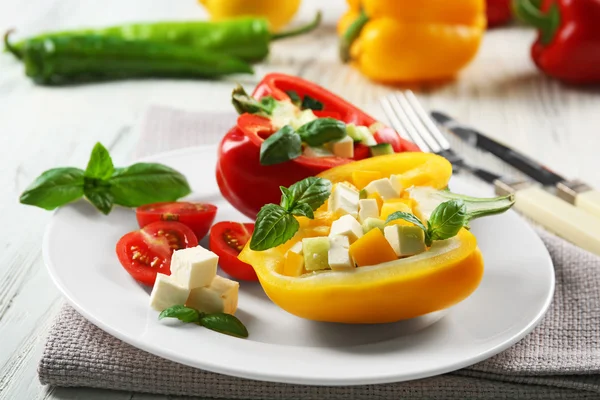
383 287
397 41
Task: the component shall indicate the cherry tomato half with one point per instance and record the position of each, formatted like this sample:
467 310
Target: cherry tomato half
146 252
197 216
227 239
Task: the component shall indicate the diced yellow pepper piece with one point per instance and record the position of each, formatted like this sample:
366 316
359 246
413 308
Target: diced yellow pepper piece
377 197
363 178
389 208
294 264
372 249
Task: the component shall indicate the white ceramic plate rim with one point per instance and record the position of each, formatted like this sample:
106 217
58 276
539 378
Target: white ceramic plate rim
283 377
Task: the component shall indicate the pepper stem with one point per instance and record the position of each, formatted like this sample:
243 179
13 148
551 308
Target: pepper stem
350 36
547 23
9 47
300 30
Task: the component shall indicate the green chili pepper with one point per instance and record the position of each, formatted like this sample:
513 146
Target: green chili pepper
245 38
67 59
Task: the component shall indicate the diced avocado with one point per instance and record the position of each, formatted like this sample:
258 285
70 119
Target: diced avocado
372 223
315 253
381 149
361 134
353 132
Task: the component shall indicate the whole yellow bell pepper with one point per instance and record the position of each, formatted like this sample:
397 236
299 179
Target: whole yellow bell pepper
406 40
400 289
278 12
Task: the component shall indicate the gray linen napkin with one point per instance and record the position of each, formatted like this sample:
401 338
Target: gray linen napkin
560 359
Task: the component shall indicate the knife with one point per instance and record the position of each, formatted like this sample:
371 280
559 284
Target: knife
573 191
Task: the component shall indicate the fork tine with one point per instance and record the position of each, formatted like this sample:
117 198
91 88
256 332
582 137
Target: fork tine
401 123
416 122
427 121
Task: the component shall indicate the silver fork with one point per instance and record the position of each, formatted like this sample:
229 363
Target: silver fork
410 120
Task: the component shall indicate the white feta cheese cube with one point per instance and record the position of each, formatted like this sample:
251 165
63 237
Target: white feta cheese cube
367 208
297 248
194 267
382 186
344 147
220 296
317 152
346 226
339 255
344 200
392 236
166 293
396 184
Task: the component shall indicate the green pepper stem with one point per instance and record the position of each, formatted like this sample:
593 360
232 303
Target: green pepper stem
547 23
350 36
9 47
300 30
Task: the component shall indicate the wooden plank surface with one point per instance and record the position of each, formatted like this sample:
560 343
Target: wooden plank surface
501 93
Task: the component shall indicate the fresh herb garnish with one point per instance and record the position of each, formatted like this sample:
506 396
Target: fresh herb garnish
218 322
310 103
104 185
445 222
321 131
284 145
294 97
244 103
275 224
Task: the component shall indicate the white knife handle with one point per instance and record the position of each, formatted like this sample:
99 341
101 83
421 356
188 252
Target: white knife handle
589 202
560 217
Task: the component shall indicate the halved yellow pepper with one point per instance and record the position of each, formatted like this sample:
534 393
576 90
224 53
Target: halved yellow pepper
440 277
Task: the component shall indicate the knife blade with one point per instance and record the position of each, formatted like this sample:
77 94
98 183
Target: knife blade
573 191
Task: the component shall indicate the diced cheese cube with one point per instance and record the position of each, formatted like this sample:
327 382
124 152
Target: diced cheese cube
167 293
344 200
405 240
317 152
315 253
293 264
368 208
220 296
396 181
344 147
283 114
194 267
383 187
346 226
339 253
296 248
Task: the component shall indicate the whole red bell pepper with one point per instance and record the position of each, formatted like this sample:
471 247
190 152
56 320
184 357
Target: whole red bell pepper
568 46
247 184
498 12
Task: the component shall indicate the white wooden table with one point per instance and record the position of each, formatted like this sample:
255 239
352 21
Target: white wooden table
40 128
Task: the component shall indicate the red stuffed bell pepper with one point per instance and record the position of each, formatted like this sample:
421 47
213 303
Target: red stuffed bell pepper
290 129
568 46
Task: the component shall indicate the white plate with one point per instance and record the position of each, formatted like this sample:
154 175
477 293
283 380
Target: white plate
517 287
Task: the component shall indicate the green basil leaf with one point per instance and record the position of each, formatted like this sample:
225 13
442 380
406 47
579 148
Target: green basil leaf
313 104
100 198
244 103
100 165
287 198
54 188
303 210
284 145
294 97
407 217
312 191
321 131
274 226
145 183
447 219
224 323
182 313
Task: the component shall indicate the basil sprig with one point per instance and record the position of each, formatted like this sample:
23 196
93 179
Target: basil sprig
104 185
218 322
244 103
445 221
321 131
275 224
284 145
304 103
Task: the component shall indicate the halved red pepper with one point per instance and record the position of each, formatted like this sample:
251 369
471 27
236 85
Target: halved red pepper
568 46
247 184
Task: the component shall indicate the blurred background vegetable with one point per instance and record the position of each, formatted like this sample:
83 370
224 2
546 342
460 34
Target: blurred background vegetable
499 12
278 12
568 45
409 41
